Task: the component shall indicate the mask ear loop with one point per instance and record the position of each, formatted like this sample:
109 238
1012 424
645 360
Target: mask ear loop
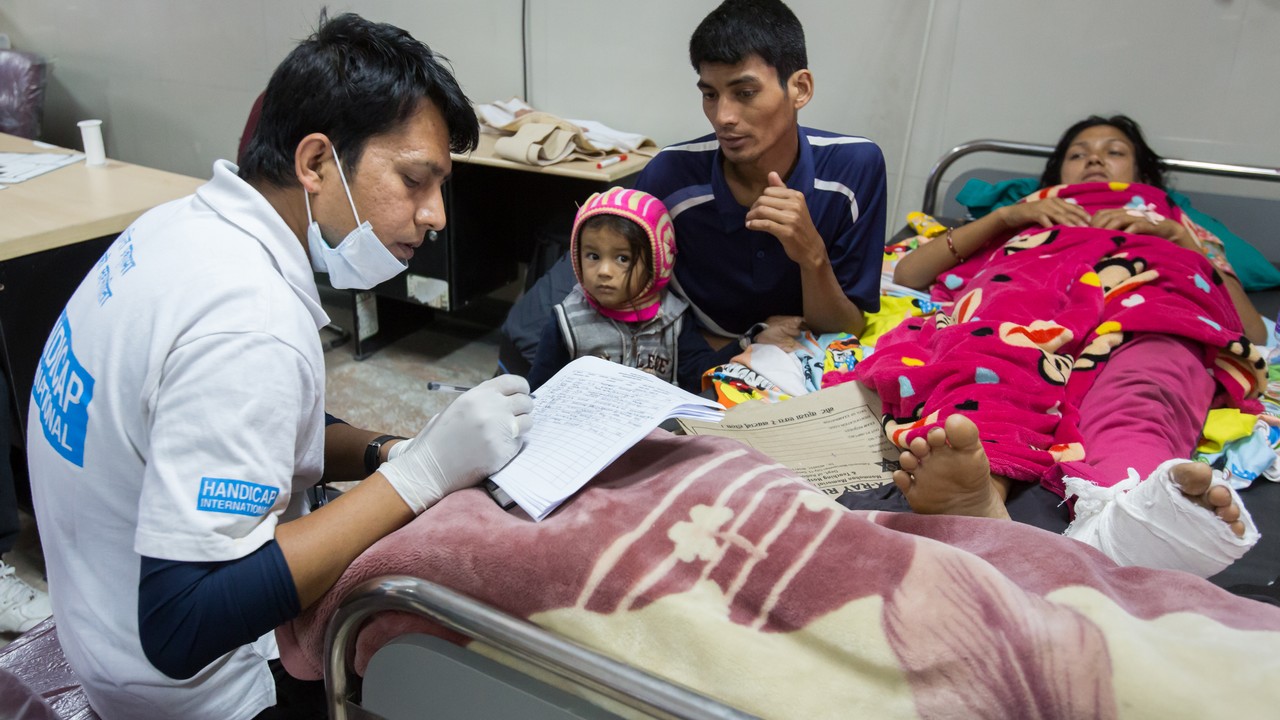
344 183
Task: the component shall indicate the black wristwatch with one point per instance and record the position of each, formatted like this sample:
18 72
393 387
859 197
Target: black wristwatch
371 452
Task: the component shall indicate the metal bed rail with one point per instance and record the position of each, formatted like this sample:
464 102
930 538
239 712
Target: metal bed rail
1008 147
581 666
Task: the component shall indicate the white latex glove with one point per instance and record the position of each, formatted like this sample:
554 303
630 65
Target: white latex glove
472 439
395 450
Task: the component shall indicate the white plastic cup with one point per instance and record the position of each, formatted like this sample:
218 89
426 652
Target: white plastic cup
91 135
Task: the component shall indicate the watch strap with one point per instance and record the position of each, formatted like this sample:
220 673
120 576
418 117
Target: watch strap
372 450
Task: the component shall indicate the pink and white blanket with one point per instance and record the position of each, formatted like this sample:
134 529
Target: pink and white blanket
703 561
1031 320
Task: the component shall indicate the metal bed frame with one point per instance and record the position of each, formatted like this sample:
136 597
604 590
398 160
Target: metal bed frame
578 665
1008 147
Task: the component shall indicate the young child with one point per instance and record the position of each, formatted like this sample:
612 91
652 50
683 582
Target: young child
622 248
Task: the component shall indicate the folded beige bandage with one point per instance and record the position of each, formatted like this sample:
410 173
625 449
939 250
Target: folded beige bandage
538 144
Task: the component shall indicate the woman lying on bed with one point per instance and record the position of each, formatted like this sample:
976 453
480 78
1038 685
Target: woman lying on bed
1092 327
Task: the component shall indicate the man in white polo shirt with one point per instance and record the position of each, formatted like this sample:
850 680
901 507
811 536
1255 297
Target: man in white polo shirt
178 410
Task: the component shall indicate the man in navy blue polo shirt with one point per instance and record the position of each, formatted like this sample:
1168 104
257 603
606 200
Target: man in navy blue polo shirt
772 219
775 223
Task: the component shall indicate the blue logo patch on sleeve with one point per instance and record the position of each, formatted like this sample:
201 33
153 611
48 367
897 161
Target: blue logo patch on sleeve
236 497
62 392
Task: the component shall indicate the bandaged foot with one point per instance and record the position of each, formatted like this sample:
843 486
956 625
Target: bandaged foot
1179 518
947 472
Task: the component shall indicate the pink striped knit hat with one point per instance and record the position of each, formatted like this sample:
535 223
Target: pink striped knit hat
649 213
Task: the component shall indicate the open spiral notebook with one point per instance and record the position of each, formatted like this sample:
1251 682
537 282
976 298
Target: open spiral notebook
584 417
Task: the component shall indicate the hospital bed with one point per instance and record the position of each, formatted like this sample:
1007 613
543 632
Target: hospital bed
468 685
697 579
1253 217
542 673
695 562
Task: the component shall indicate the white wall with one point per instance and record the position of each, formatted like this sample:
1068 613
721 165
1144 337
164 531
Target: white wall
174 79
1199 75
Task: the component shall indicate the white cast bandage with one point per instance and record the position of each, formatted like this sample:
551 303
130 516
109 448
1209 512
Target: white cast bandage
1152 524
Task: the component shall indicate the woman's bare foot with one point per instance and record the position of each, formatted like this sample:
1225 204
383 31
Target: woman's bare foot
1194 479
948 473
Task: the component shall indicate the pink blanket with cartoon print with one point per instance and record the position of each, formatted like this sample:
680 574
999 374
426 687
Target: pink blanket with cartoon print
705 562
1035 316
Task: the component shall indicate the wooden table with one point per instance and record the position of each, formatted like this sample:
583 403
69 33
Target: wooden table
53 228
77 203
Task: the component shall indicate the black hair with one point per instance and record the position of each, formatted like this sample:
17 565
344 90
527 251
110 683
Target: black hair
636 237
739 29
351 80
1146 161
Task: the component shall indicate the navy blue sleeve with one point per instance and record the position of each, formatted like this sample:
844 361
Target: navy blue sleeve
857 254
696 355
331 420
192 613
552 355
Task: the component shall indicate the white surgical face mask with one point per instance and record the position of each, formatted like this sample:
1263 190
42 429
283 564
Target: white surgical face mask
360 261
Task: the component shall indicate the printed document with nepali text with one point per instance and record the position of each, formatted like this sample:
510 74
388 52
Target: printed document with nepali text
832 437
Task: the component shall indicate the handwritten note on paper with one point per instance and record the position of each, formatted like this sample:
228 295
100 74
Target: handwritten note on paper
606 407
832 438
584 417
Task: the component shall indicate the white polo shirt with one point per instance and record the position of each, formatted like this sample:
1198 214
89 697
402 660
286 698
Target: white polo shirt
177 409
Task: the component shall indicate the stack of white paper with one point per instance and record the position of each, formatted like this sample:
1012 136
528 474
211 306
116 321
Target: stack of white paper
584 417
16 167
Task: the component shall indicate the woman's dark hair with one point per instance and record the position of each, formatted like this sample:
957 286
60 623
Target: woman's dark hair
739 29
637 240
351 80
1146 161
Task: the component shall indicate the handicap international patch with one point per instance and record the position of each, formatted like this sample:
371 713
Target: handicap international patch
62 391
236 497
